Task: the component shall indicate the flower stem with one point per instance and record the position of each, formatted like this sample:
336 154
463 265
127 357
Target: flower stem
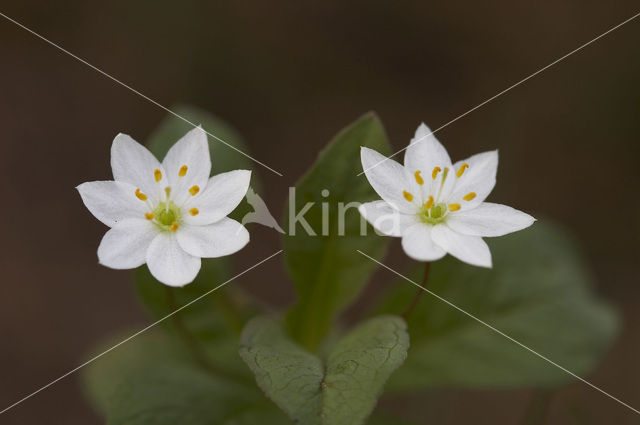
416 298
191 342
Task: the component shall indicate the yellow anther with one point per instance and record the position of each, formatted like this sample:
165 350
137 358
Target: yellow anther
429 203
194 190
194 211
469 196
174 226
183 171
435 172
140 195
158 175
454 207
407 195
461 169
418 177
149 216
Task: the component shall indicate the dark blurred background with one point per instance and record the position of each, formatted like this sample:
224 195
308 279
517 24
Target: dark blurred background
288 76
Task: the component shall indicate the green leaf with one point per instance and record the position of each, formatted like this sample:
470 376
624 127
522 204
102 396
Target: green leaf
150 381
538 292
288 374
327 270
101 378
344 391
359 365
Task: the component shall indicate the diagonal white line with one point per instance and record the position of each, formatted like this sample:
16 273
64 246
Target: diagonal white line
507 89
135 91
91 360
500 332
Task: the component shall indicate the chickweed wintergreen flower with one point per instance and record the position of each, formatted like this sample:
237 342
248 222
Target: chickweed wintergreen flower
437 207
166 215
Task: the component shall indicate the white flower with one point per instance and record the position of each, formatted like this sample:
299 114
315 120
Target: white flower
167 215
437 207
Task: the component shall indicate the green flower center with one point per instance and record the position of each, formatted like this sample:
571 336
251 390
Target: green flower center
434 215
167 216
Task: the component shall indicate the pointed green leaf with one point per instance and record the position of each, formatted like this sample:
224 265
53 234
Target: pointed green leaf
538 292
327 270
345 391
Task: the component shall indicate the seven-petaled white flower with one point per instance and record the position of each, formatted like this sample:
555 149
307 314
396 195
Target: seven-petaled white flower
167 215
437 207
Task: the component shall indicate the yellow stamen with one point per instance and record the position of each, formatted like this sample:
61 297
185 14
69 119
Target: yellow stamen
194 190
469 196
140 195
461 169
435 172
149 216
407 195
183 171
174 226
194 211
419 178
454 207
429 203
158 175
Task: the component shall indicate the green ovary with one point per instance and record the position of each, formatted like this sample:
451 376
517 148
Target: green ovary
166 215
434 215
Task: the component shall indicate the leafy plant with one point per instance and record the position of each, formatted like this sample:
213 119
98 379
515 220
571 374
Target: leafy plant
202 365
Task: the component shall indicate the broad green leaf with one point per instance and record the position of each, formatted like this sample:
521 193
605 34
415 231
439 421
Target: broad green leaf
539 292
101 378
340 390
327 270
176 393
359 365
150 381
287 373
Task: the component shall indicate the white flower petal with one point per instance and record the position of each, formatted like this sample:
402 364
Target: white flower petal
470 249
111 202
220 197
425 153
213 240
479 178
418 244
489 219
191 152
389 179
169 263
125 246
133 163
386 219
